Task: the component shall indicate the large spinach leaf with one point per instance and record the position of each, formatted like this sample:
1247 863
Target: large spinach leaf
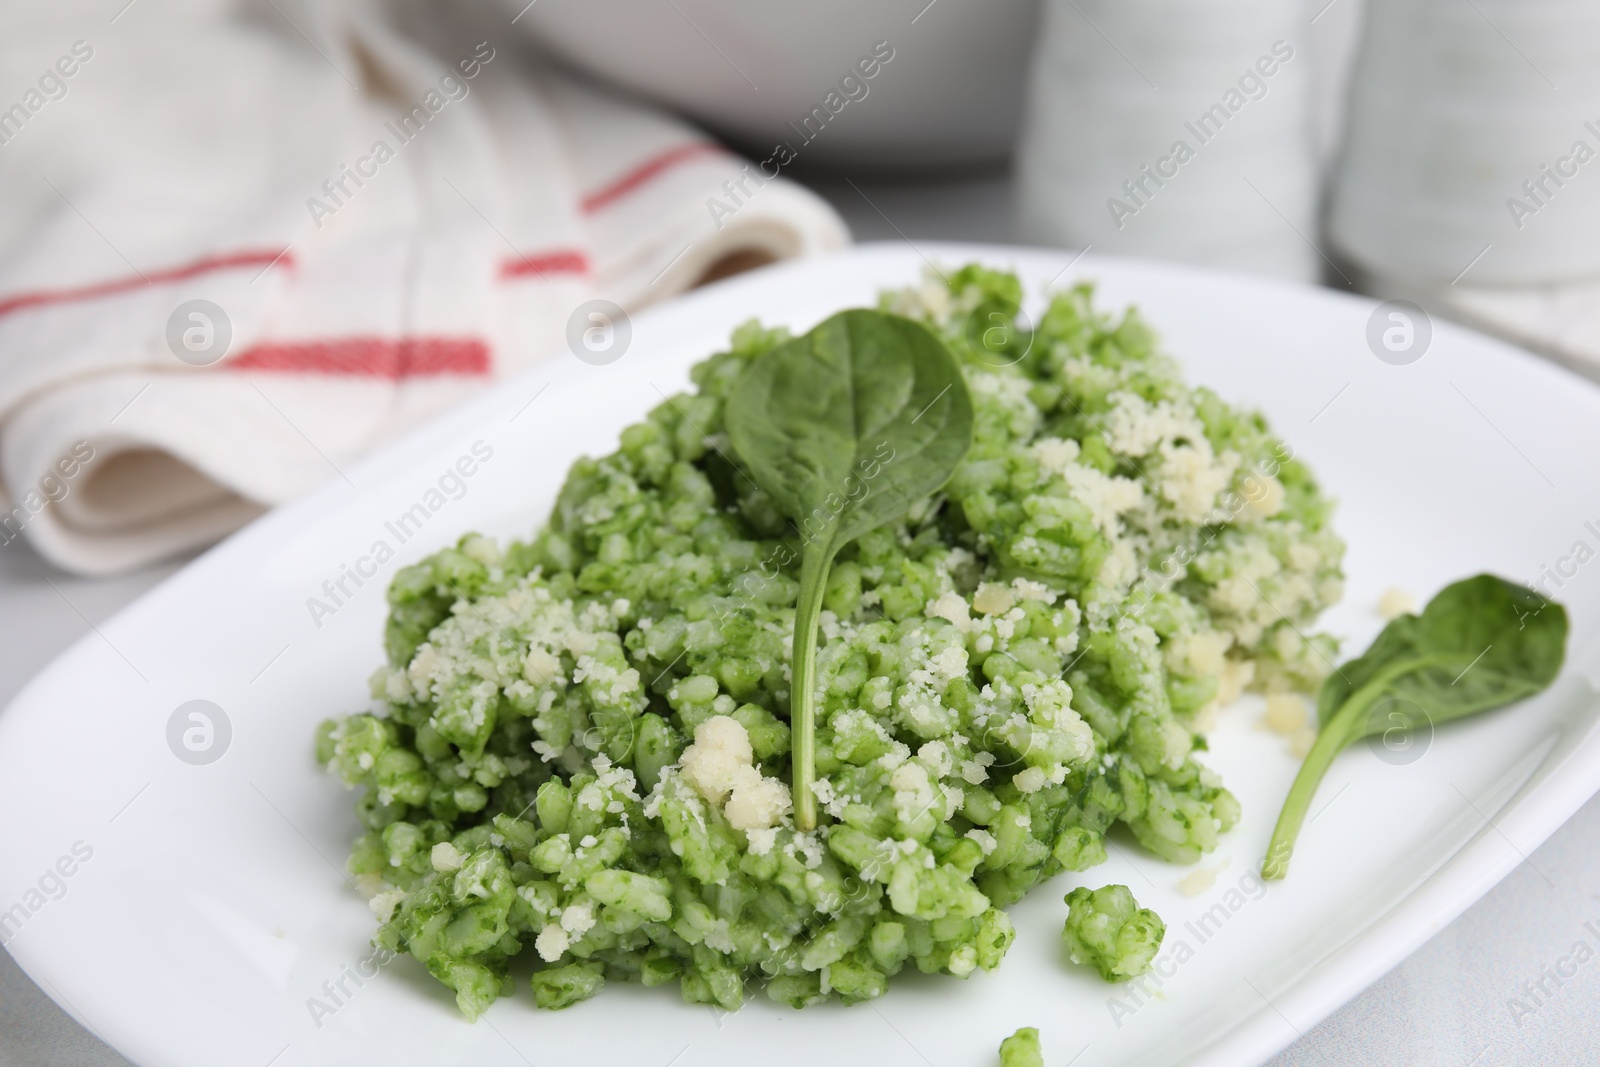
845 428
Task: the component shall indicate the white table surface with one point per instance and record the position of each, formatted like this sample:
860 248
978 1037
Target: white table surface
1448 1005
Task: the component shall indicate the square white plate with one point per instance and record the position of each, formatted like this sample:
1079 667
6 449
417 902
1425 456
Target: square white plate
210 909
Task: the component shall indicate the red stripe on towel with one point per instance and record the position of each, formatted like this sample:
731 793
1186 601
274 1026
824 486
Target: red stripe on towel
644 172
558 262
394 358
208 265
544 264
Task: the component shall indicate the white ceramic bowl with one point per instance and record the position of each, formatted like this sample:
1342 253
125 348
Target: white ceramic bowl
950 96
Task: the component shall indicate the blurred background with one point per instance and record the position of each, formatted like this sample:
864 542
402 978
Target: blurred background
245 241
239 228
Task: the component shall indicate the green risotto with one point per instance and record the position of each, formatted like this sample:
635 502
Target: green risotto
580 757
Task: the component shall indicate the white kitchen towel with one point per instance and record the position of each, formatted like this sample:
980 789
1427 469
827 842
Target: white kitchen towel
380 209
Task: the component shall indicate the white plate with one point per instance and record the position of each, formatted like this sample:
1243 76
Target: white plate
212 907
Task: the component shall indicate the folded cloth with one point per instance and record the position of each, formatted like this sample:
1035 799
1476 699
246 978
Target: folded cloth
245 241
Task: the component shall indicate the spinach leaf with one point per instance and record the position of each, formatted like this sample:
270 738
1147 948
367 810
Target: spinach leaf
845 427
1481 643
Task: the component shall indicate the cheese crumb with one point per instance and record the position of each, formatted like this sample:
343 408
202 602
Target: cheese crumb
1029 781
383 904
1106 496
963 961
984 839
540 667
482 549
975 771
936 754
1396 602
952 607
949 664
1236 675
1031 590
992 598
1286 713
1055 454
1203 653
446 857
721 746
551 943
1266 502
756 803
578 919
720 767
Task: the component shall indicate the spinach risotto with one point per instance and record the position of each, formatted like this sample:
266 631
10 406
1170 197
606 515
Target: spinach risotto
584 746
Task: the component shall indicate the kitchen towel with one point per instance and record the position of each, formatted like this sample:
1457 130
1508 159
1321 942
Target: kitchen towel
244 241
